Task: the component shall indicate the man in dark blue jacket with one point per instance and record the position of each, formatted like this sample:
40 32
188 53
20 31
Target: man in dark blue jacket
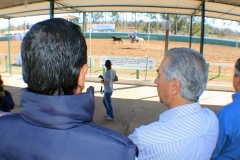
56 118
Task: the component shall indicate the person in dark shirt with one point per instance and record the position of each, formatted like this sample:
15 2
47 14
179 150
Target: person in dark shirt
6 101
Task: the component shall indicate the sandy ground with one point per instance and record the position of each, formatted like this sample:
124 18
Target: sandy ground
154 49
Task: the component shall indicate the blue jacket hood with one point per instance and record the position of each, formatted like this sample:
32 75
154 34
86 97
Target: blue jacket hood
69 110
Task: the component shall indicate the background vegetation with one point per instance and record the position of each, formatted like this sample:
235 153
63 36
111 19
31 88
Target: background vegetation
141 22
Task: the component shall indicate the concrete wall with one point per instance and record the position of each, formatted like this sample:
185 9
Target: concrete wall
160 37
4 38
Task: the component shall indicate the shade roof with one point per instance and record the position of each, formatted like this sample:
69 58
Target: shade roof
222 9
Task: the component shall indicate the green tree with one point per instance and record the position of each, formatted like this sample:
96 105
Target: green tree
196 26
96 17
115 17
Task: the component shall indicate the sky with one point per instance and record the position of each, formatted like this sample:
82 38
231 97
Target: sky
20 21
34 19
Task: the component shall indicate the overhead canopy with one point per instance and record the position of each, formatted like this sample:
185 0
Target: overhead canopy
222 9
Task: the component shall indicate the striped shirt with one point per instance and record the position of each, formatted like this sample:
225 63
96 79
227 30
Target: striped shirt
186 132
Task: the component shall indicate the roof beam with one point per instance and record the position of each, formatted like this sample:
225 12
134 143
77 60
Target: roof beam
21 3
67 8
197 9
229 2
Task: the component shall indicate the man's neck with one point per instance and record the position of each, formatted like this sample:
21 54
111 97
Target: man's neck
179 101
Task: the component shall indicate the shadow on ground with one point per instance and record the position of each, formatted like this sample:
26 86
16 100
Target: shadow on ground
129 112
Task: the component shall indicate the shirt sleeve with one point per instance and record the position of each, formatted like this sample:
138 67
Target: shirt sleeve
106 76
135 139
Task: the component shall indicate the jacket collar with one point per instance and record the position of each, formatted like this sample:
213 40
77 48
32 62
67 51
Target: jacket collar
58 112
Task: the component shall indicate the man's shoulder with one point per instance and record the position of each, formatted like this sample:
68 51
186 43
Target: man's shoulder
107 134
6 92
230 110
10 117
210 112
145 129
114 71
12 120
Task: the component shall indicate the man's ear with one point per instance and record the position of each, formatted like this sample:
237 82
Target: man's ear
238 82
175 86
82 75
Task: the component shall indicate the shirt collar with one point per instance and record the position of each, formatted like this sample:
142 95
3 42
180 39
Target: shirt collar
180 111
236 96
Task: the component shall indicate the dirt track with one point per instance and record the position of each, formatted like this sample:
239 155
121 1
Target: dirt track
153 49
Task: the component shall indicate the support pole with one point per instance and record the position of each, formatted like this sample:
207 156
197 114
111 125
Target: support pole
90 36
146 69
135 20
104 70
202 29
5 57
84 23
190 38
220 69
90 66
51 9
167 35
9 55
90 33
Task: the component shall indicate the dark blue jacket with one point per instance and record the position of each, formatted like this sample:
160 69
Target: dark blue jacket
6 103
60 128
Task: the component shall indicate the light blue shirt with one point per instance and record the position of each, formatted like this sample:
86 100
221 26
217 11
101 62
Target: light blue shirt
109 76
228 145
186 132
134 34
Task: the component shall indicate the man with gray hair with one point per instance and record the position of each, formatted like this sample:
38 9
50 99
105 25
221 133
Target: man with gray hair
228 145
185 130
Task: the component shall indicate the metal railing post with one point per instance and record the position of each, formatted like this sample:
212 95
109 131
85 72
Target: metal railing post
104 70
137 74
6 63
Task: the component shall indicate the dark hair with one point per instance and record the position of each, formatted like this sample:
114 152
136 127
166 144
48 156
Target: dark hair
108 64
237 65
53 52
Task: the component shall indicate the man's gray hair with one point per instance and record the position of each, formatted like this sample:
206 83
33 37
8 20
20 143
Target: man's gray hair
189 67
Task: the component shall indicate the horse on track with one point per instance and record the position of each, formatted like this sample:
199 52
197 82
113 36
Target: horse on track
136 40
116 39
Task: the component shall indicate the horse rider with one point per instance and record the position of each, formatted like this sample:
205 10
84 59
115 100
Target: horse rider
134 36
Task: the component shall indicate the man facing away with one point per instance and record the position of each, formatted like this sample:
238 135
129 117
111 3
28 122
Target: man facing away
56 118
228 145
185 131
